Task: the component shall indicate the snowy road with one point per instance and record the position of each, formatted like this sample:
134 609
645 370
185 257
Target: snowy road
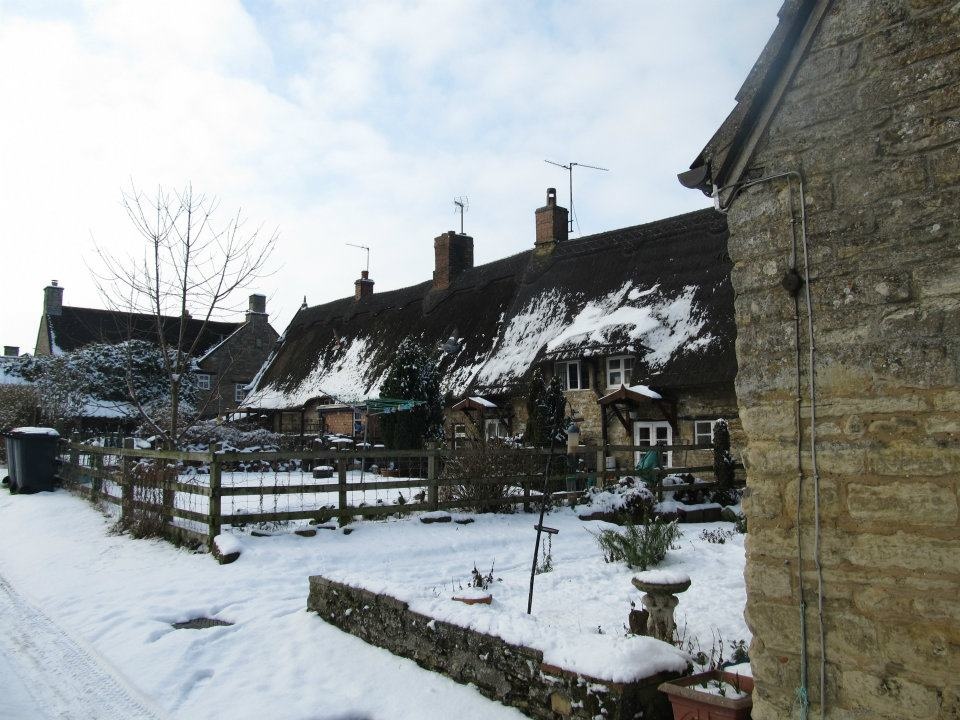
44 674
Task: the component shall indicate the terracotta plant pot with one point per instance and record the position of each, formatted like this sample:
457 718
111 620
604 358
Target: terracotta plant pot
690 704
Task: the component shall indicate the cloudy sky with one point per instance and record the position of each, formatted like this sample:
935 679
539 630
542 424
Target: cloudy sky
339 122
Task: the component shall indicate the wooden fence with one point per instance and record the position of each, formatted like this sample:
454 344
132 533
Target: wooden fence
187 491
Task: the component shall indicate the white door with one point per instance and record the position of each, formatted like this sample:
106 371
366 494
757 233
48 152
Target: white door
653 433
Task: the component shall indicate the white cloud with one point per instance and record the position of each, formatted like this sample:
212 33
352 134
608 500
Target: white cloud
350 122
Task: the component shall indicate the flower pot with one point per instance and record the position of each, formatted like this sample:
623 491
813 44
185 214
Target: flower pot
689 703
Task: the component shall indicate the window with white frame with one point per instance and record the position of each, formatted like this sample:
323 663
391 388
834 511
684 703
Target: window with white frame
203 381
239 391
494 429
460 431
569 373
703 432
619 370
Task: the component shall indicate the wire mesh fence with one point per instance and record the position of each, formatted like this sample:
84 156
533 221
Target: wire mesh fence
192 496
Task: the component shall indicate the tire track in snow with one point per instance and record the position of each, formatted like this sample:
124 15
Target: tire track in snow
63 680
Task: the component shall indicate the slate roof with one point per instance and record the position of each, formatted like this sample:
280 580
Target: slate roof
661 290
714 165
76 327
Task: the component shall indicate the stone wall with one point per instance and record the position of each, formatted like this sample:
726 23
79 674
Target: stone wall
510 674
236 361
872 120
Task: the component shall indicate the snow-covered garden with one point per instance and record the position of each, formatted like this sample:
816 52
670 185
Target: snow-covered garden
119 597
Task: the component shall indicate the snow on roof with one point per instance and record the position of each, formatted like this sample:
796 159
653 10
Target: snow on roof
29 430
483 401
644 390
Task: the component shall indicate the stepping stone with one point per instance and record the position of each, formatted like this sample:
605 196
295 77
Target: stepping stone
200 623
306 532
435 517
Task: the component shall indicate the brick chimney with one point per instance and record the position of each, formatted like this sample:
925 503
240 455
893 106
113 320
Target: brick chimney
257 309
552 221
363 288
453 254
53 299
11 351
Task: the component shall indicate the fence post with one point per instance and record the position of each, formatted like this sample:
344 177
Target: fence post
96 486
73 473
432 499
343 518
213 519
126 483
601 467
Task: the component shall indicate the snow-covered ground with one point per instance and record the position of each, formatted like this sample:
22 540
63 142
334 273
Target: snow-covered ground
117 597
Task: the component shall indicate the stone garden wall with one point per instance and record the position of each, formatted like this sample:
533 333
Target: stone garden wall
510 674
872 120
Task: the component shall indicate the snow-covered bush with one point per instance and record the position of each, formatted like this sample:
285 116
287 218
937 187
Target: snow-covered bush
630 499
132 371
242 437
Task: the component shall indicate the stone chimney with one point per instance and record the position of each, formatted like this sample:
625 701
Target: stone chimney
363 288
453 254
552 221
257 309
53 299
11 351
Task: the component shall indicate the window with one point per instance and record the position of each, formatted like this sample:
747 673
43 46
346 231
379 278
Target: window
703 432
494 429
619 371
203 381
653 433
460 431
239 391
570 376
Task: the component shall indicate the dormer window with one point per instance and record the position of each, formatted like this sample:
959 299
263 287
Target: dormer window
619 371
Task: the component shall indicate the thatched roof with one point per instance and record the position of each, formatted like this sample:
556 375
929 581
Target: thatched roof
660 291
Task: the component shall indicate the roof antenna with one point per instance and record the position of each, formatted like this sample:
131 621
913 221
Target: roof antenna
569 168
462 205
362 247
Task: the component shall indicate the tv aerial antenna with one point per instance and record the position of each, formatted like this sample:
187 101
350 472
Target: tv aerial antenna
362 247
569 168
461 205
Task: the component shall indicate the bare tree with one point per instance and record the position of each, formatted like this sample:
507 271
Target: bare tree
191 269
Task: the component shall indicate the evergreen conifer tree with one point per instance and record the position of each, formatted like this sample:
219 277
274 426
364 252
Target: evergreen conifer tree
414 375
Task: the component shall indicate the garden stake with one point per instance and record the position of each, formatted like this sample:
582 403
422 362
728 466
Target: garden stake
539 526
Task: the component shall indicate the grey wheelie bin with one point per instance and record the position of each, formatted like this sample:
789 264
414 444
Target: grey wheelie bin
32 458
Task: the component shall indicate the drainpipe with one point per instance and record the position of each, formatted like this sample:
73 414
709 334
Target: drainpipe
792 282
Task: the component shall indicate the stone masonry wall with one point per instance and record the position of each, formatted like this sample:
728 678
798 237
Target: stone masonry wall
872 120
510 674
237 361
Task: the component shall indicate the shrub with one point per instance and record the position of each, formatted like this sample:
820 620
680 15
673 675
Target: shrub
639 546
629 500
477 470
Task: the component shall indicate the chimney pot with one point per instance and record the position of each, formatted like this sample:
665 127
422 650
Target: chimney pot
453 253
257 307
552 222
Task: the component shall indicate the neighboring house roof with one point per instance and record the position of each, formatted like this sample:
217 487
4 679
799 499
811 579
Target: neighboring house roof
660 291
721 162
75 327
